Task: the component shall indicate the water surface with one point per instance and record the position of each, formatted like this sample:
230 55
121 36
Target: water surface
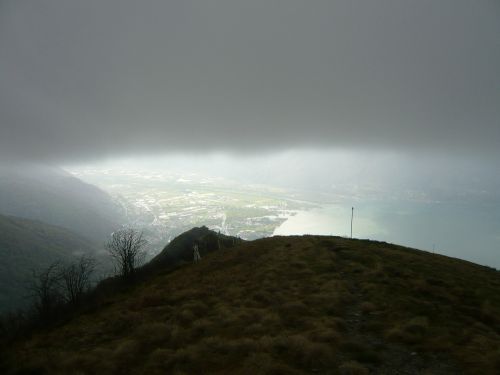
465 230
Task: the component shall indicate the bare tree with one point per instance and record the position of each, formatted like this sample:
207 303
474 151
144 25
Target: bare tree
126 248
75 279
45 290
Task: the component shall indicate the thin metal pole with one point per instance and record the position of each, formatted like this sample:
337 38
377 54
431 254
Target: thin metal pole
352 217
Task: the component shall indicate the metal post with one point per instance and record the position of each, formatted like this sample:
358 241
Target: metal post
352 217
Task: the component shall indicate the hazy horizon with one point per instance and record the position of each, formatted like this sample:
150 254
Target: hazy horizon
391 105
452 211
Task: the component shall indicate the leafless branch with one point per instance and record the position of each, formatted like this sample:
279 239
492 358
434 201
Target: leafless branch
126 248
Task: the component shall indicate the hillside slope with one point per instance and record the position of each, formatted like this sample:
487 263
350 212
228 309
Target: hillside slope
287 305
26 245
55 197
180 249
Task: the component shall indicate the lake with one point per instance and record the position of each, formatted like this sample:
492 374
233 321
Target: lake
465 230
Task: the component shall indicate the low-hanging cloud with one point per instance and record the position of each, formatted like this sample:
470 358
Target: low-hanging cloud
87 79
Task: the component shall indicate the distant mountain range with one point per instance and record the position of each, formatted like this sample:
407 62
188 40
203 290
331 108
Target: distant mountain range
26 245
53 196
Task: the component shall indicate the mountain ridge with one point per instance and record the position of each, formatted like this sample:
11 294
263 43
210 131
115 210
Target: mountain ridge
54 196
26 245
286 305
180 249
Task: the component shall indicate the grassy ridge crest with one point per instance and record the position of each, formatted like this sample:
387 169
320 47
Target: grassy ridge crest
287 305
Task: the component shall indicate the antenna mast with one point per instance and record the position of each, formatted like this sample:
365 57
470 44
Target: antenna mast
352 217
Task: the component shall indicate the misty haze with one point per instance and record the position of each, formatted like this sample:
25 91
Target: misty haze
254 187
435 204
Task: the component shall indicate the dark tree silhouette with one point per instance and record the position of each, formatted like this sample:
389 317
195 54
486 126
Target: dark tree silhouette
45 290
75 279
126 248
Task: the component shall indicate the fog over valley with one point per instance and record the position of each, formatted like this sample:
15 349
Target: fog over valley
255 119
432 203
250 187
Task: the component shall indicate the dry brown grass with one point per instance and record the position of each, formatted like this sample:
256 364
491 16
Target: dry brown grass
352 368
283 305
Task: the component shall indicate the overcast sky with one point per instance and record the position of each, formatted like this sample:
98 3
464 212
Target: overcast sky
82 80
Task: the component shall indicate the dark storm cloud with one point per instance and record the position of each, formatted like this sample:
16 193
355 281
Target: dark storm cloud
86 79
